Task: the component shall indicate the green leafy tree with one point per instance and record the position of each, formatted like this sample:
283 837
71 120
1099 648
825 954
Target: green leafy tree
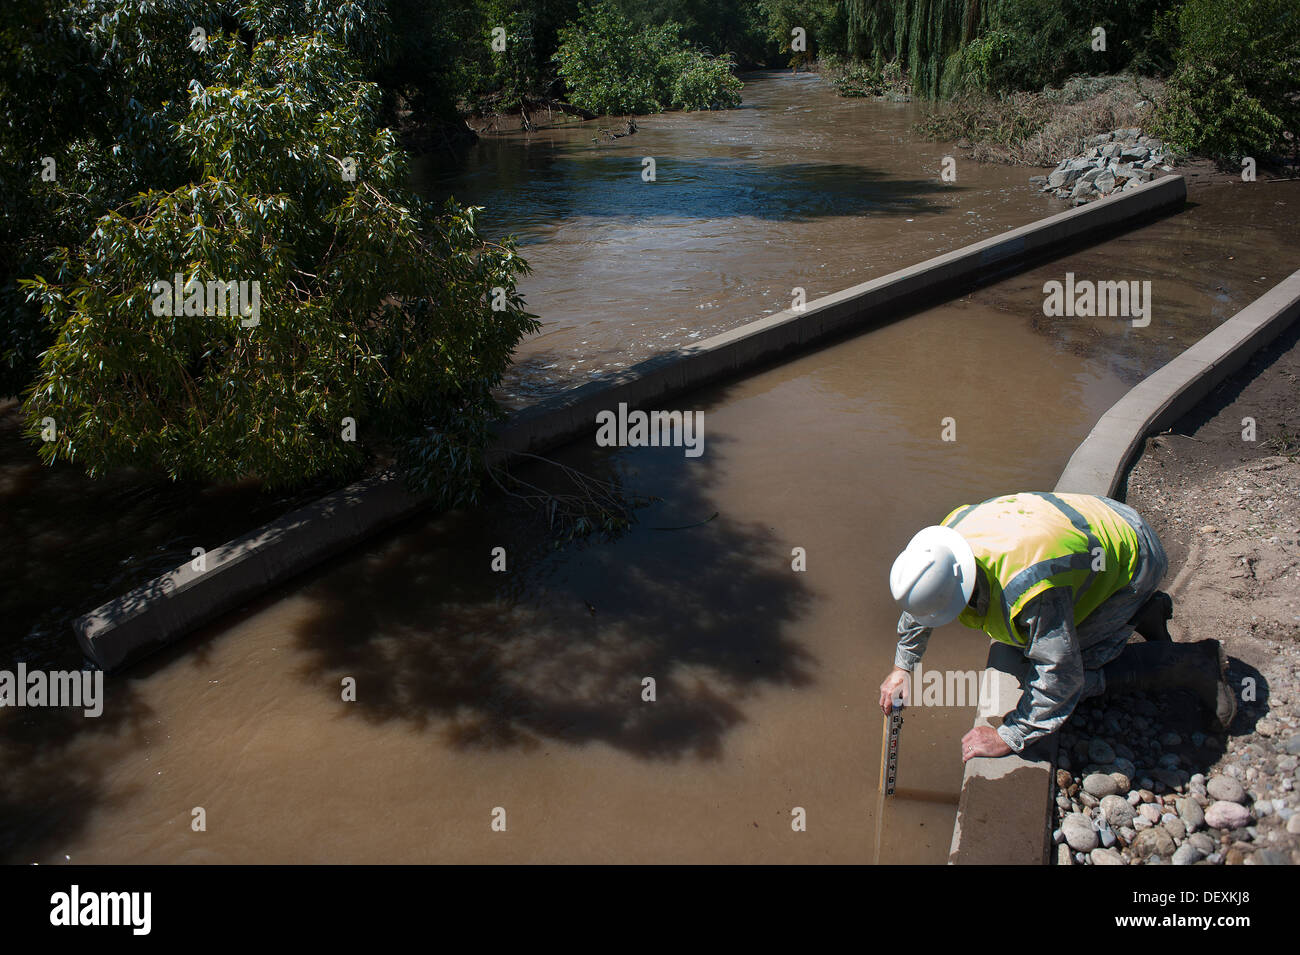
372 306
737 27
93 86
1234 92
823 20
612 66
948 46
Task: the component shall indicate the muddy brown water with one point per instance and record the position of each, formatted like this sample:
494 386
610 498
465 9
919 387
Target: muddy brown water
522 690
797 188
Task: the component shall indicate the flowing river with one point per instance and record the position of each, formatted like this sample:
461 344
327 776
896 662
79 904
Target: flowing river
500 716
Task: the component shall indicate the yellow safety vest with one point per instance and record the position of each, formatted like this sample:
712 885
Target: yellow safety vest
1027 543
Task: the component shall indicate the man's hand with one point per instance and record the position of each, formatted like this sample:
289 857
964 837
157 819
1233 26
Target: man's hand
983 741
894 684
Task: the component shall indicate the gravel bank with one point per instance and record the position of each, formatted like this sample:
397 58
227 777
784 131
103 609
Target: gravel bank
1140 781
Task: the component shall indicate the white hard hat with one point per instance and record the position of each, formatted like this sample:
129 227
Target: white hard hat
934 577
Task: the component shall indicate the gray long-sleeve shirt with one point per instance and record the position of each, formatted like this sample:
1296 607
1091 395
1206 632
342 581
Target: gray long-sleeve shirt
1057 678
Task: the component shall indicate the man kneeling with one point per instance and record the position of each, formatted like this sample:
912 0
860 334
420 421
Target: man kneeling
1066 578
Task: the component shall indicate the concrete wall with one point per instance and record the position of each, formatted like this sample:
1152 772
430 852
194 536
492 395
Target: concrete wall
1100 463
1004 811
169 606
571 414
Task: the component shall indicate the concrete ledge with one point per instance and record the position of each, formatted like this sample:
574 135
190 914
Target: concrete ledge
158 612
572 414
1101 462
169 606
1005 804
1004 811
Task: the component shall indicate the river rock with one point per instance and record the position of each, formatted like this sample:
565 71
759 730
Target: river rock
1190 811
1267 857
1175 827
1116 811
1150 812
1066 173
1105 857
1100 785
1187 855
1152 842
1293 824
1063 855
1202 842
1226 815
1226 789
1170 778
1079 833
1100 751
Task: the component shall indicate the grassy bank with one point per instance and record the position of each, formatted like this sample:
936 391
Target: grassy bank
855 78
1040 129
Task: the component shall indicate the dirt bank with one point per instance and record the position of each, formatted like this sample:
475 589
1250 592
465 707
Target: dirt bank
1228 510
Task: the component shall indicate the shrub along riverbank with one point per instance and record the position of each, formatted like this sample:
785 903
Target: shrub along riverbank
1023 80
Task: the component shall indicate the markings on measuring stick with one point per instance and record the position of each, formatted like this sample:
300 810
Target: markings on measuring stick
889 746
891 757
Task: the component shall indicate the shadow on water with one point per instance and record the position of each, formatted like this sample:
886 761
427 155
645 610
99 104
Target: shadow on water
557 647
49 787
537 188
72 542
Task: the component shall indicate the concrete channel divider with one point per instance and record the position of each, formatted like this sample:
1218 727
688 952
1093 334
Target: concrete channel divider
1005 808
572 414
1100 463
169 606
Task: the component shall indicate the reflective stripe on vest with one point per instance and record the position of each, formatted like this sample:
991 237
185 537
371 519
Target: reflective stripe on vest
1030 542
